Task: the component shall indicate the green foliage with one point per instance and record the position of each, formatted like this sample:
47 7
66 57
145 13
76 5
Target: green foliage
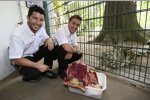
92 13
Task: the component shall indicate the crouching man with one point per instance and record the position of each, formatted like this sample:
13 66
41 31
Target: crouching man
29 43
66 45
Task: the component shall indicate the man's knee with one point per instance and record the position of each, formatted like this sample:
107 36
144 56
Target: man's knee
80 55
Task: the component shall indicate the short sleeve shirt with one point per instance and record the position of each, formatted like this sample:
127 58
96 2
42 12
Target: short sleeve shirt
23 42
63 35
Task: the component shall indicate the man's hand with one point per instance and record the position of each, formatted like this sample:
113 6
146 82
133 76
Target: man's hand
69 48
68 56
49 42
42 67
31 64
78 51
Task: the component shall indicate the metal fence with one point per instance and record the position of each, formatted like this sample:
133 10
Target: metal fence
129 59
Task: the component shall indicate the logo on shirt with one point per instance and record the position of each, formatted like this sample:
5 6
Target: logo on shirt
40 36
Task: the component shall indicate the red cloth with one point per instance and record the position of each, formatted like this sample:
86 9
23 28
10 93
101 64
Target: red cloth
79 71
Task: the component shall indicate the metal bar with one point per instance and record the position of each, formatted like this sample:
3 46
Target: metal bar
92 13
120 14
46 18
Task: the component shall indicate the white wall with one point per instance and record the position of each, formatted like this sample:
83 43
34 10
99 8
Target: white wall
24 11
9 18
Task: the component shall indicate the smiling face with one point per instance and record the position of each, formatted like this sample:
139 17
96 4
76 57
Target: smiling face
35 21
74 24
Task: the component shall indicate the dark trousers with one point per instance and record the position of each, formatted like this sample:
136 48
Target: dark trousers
63 63
33 73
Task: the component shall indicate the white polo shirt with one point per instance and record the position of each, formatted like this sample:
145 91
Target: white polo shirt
23 42
63 35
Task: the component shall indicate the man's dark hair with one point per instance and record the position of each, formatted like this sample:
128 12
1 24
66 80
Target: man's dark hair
75 16
36 9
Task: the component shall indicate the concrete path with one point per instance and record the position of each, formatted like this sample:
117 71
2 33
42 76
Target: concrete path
13 88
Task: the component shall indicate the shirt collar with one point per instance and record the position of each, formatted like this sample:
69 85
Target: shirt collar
30 32
68 31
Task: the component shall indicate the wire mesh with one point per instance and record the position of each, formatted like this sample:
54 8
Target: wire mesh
126 58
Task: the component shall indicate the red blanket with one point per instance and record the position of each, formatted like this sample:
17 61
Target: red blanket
79 76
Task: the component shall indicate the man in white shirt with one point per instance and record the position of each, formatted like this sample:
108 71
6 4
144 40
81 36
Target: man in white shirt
65 40
29 43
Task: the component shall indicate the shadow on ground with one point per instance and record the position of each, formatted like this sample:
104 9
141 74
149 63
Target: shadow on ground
13 88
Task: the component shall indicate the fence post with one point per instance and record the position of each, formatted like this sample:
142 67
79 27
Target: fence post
46 17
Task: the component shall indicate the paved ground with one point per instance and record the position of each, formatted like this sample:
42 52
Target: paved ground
13 88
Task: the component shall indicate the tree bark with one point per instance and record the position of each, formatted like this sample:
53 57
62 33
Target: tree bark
120 23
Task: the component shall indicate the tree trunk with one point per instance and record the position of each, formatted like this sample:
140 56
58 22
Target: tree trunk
118 22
